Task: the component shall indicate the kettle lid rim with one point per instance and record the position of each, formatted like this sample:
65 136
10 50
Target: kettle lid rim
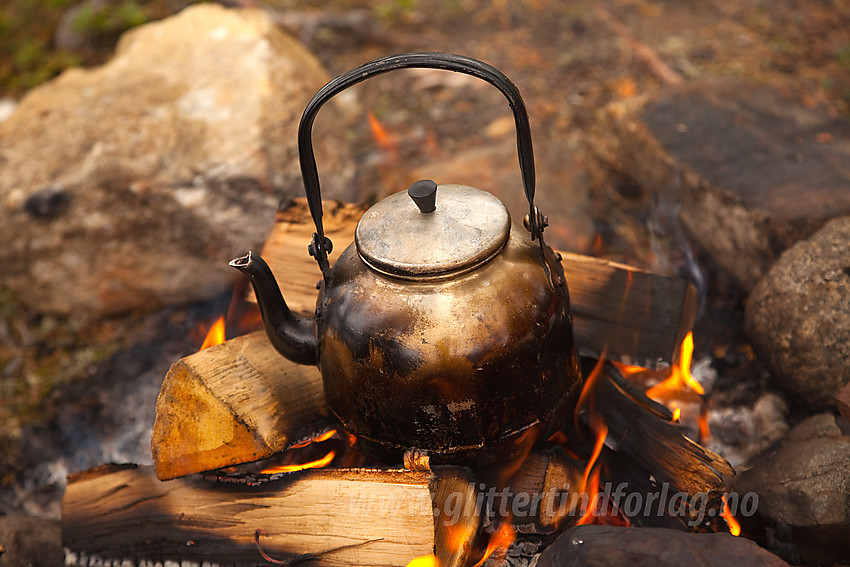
466 229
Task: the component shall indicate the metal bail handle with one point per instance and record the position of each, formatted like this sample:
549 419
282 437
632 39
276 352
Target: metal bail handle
321 246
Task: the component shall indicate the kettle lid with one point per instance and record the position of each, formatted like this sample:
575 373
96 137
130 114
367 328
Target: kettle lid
433 231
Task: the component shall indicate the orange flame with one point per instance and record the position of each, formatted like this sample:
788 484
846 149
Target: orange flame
215 336
501 540
323 437
457 536
601 434
680 374
678 386
585 397
734 526
324 461
591 490
424 561
382 137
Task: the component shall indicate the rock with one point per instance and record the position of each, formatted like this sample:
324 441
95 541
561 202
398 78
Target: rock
132 184
26 540
754 170
798 316
592 546
803 484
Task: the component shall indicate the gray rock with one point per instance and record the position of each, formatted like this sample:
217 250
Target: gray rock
591 546
798 316
753 169
803 484
132 184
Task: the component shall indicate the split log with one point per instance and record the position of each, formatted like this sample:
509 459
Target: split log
233 403
629 314
332 517
634 315
753 170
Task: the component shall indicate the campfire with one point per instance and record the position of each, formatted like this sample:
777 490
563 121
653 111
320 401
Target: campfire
319 499
254 461
129 186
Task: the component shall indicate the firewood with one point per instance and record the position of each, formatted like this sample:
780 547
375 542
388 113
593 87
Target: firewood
634 315
646 451
328 516
236 402
629 314
542 491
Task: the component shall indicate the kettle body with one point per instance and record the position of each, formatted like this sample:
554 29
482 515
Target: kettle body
462 368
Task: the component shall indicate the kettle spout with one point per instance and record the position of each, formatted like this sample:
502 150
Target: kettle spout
292 336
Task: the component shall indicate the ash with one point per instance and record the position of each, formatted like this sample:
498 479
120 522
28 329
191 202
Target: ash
107 417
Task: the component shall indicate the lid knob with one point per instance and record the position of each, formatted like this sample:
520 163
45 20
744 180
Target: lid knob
424 194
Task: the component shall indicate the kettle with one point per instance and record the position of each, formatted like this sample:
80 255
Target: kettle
443 328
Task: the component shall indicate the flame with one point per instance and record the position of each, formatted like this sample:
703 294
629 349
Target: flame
324 461
501 540
734 526
424 561
585 397
601 434
592 490
215 336
680 378
457 536
678 386
323 437
382 137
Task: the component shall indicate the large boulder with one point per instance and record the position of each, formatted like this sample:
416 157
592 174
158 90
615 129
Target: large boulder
600 546
798 316
753 169
132 184
803 485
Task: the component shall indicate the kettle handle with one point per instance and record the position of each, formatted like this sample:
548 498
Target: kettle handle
321 245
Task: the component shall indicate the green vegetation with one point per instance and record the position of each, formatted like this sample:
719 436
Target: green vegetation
28 51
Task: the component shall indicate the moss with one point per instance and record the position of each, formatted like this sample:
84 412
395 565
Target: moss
28 56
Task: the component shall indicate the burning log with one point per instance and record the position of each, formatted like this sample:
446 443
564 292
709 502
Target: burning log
328 516
645 452
233 403
634 315
541 491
